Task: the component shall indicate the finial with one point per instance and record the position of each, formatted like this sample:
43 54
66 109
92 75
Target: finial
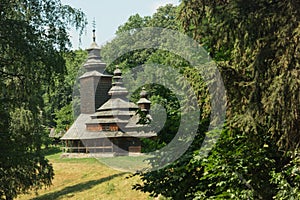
117 71
144 93
94 30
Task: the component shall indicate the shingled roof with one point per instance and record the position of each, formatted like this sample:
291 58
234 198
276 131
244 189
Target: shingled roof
117 110
78 129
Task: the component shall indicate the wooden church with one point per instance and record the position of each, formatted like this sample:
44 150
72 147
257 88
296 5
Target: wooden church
108 123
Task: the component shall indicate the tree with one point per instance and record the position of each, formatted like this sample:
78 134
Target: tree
164 18
257 44
33 37
62 102
256 47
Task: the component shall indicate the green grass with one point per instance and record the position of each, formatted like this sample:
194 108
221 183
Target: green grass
126 163
87 178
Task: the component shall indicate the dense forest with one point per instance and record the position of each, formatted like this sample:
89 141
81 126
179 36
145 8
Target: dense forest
255 46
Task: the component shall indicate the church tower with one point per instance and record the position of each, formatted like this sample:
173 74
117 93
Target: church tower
95 82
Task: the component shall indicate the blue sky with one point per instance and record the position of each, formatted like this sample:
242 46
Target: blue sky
109 15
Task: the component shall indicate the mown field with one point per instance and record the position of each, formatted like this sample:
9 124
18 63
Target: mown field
86 178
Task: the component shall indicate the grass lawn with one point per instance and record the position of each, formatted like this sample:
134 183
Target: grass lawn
87 178
126 163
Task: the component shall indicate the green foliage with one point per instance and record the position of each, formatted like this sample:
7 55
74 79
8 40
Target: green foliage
33 38
239 167
256 47
62 102
64 118
164 17
23 165
134 22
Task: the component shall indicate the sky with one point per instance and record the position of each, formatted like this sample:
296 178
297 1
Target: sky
109 15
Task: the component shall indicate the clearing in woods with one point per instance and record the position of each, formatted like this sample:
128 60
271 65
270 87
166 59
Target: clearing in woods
86 178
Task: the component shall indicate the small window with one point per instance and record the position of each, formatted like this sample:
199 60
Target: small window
105 127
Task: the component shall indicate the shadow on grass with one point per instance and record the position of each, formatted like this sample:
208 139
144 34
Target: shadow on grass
76 188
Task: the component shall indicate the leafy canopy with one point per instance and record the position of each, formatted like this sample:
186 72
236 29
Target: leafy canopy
256 47
33 37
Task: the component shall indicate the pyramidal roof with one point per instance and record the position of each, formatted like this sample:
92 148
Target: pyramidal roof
117 109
